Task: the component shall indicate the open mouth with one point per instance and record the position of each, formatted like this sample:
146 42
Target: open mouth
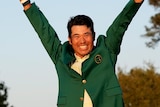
83 47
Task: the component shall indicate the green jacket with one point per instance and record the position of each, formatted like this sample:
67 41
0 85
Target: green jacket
98 70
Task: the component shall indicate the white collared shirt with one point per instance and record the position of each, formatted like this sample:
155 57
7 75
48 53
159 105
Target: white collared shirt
77 67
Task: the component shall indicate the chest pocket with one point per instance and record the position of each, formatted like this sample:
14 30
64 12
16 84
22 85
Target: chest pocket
113 91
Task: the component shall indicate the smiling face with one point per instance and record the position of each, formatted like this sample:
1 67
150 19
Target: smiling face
81 39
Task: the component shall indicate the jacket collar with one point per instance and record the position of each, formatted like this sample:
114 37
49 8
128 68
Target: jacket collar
67 53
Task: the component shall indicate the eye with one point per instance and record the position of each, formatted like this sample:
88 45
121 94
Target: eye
75 36
87 34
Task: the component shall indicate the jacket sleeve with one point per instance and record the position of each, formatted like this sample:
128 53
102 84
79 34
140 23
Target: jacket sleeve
119 26
45 31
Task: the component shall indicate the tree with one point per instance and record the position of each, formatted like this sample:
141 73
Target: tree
141 87
153 32
3 95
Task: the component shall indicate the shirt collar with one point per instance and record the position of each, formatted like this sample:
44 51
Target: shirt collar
79 59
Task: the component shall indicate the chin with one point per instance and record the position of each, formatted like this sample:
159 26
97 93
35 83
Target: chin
86 53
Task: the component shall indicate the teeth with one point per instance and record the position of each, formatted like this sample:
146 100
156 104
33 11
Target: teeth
83 47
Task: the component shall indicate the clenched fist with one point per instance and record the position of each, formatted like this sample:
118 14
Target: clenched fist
23 1
26 4
138 1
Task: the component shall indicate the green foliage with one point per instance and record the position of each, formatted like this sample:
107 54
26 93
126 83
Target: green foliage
153 32
3 95
141 87
155 3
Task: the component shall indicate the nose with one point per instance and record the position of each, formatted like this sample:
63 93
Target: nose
82 39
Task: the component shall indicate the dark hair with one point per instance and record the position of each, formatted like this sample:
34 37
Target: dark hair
80 20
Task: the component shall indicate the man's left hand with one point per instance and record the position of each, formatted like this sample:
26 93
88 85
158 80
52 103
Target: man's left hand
138 1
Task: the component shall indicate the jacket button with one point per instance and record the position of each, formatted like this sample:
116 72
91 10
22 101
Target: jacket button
84 81
81 98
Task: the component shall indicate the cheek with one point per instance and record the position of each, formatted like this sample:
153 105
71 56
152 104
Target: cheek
72 42
90 41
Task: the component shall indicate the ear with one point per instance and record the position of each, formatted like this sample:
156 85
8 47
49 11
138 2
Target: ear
70 41
94 34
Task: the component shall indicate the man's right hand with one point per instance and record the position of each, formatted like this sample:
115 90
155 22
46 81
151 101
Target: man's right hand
23 1
26 4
